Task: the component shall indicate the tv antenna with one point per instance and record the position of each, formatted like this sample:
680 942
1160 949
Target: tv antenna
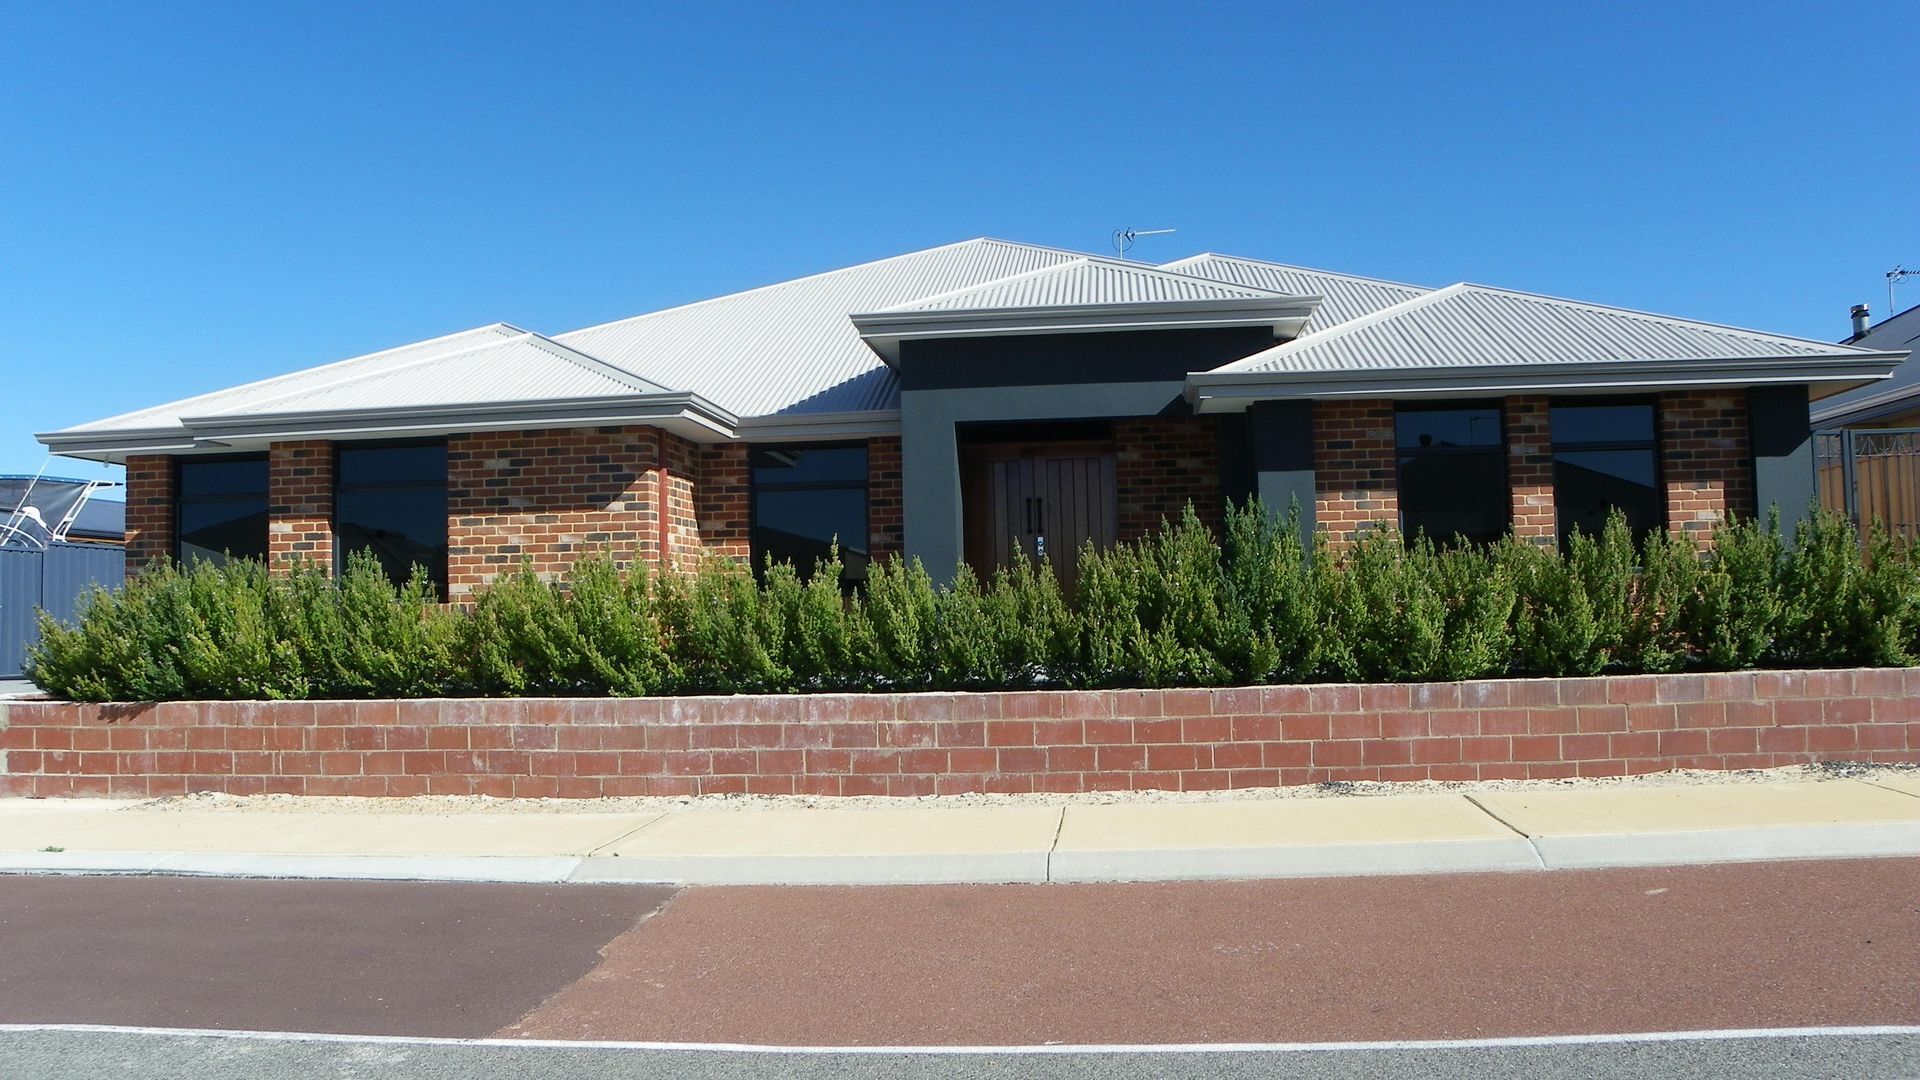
1123 239
1894 277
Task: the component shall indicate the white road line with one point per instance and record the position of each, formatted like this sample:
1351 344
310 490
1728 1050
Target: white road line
1090 1048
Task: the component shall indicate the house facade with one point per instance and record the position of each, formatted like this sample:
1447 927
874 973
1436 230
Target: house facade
957 403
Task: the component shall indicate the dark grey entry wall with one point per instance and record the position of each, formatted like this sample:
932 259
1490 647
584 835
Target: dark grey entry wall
1031 377
1782 440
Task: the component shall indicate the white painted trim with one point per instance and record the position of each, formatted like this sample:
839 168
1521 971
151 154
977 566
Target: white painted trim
1640 1037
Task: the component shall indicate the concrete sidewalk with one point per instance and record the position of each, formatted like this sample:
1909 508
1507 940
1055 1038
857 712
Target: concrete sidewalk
1518 829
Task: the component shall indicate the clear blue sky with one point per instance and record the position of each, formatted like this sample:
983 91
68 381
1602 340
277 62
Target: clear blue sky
192 196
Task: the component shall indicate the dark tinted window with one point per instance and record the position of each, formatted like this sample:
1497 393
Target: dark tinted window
788 466
392 501
807 498
1604 459
1453 473
221 509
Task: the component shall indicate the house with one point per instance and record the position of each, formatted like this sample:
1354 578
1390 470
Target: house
56 542
954 402
1891 403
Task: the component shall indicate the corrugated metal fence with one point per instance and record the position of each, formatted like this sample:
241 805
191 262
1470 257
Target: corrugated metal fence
1872 475
56 579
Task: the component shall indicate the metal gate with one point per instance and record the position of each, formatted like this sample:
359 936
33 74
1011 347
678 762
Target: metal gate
57 579
1871 474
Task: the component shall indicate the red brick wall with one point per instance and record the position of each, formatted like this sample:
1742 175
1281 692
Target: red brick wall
920 744
1706 459
1530 469
300 504
685 546
1162 463
722 500
150 510
550 496
886 521
1355 468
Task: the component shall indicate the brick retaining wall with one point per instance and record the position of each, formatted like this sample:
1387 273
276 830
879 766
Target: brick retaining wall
923 744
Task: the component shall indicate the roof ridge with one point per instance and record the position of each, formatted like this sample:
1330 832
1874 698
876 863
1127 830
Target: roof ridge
511 331
1253 292
1656 317
345 380
1037 271
586 360
1391 311
1300 269
815 277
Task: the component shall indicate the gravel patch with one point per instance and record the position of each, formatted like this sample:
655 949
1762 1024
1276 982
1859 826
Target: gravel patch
485 804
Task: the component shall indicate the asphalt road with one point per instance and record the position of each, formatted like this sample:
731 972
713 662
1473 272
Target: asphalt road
1760 945
1573 954
85 1055
370 958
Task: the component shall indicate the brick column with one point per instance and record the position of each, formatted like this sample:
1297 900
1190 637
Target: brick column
1706 465
1355 468
1530 470
884 517
300 505
150 510
722 500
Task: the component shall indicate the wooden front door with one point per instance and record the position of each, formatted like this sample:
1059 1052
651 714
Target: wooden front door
1045 501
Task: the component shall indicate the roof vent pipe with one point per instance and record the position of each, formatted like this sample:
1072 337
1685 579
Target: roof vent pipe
1859 319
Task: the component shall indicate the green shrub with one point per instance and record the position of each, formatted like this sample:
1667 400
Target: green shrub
1735 610
723 640
1179 607
902 609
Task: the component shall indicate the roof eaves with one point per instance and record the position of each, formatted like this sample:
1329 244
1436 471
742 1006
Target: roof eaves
884 330
1224 386
472 416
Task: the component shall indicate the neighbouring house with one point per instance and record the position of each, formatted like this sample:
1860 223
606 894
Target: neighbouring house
1868 453
56 542
1890 403
956 402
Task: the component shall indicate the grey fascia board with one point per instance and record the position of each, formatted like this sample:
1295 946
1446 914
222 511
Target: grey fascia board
468 417
885 330
1212 391
89 444
820 426
1873 407
906 324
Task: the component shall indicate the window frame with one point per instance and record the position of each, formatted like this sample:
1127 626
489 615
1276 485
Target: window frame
1500 450
180 462
1651 444
864 486
339 557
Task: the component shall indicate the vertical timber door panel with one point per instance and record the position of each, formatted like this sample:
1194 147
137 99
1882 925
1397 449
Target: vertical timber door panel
1039 501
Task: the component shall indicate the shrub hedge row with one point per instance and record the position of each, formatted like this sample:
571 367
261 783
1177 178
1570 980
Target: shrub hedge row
1182 607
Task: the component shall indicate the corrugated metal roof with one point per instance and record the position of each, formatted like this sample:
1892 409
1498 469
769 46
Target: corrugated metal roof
1086 281
240 397
790 348
1346 297
519 369
1475 326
